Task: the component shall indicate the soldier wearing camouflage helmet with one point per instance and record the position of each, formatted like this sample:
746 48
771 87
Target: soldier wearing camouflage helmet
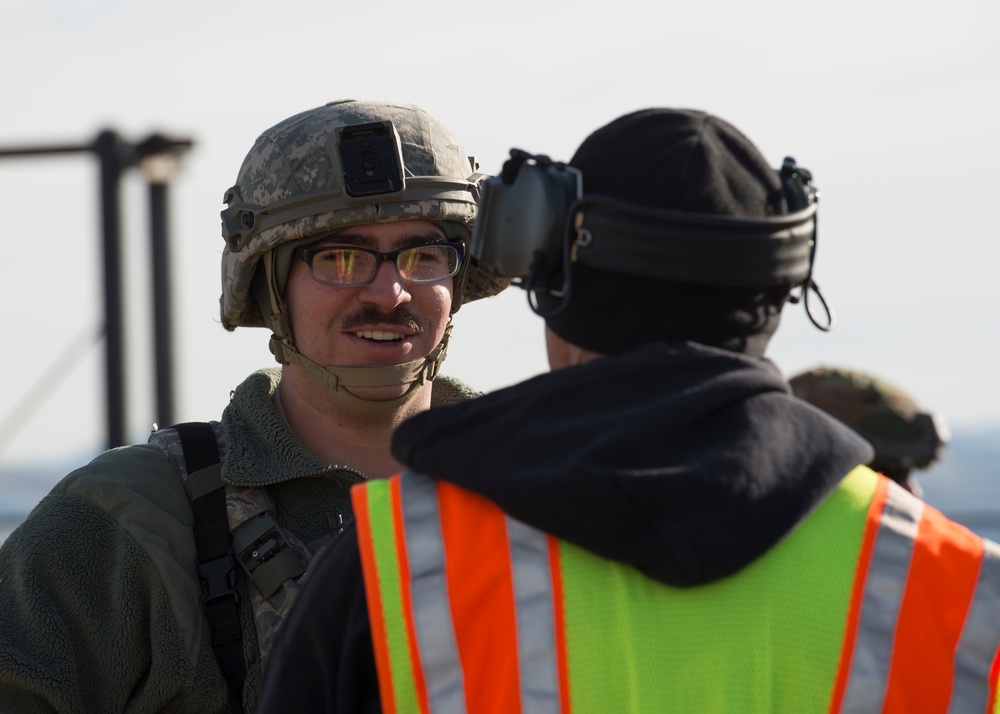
304 181
905 438
153 578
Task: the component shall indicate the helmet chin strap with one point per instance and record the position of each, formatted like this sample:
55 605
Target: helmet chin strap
339 379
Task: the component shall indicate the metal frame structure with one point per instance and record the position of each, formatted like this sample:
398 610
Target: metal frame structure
157 157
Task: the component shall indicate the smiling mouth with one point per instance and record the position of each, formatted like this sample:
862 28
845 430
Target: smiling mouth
380 335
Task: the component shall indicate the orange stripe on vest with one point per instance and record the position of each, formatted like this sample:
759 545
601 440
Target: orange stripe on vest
939 590
481 591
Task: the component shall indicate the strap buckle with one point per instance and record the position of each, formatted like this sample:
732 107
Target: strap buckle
218 578
257 541
266 554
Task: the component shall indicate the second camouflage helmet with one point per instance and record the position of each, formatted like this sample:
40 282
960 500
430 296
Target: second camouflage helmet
904 436
291 190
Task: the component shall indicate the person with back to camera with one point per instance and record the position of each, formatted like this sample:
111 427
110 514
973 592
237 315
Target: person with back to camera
657 524
152 579
904 437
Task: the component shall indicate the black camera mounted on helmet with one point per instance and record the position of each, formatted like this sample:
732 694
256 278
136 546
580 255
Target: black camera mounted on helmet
534 223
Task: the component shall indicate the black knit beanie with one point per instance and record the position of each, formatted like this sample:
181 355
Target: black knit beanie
682 160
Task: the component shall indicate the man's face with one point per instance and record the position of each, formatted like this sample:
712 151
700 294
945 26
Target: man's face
385 322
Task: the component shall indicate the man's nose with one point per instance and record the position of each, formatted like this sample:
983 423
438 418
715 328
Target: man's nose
387 289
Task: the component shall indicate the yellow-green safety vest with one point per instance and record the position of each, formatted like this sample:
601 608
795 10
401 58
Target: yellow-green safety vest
875 602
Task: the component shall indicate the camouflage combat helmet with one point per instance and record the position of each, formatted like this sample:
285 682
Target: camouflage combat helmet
344 164
290 190
904 437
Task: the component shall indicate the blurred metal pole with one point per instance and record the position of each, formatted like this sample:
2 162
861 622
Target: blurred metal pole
162 310
112 160
159 163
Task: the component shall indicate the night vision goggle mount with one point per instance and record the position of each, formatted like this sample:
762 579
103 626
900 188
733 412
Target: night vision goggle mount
535 222
368 163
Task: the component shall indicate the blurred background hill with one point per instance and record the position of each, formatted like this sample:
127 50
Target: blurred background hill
964 484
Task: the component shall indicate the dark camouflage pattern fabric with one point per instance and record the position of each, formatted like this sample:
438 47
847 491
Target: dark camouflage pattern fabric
290 190
242 505
259 438
903 435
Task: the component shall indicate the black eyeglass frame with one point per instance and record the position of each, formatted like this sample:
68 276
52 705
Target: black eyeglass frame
308 253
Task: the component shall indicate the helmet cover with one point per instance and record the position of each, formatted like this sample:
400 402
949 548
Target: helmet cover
904 437
290 190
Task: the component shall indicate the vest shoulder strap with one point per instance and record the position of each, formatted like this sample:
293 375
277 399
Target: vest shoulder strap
216 564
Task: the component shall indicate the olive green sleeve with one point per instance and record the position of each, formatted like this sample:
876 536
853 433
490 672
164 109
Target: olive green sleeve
99 608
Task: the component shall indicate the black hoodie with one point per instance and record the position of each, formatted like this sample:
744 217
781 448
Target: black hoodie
685 461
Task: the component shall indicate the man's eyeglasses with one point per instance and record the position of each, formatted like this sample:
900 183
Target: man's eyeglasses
351 266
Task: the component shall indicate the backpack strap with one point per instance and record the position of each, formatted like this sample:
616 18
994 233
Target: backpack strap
216 564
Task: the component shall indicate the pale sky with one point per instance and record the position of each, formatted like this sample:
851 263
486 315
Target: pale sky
893 104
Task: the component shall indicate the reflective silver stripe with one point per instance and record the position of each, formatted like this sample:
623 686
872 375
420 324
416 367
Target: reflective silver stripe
885 582
435 631
536 628
980 638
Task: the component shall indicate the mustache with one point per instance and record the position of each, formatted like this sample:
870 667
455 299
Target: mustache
371 315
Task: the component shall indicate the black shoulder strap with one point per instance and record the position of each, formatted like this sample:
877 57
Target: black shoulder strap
216 564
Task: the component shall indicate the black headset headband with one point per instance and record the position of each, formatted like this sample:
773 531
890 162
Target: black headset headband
534 222
694 248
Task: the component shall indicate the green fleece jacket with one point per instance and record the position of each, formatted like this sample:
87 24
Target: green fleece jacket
100 602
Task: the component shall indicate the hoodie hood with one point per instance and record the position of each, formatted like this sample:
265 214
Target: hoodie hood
684 461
